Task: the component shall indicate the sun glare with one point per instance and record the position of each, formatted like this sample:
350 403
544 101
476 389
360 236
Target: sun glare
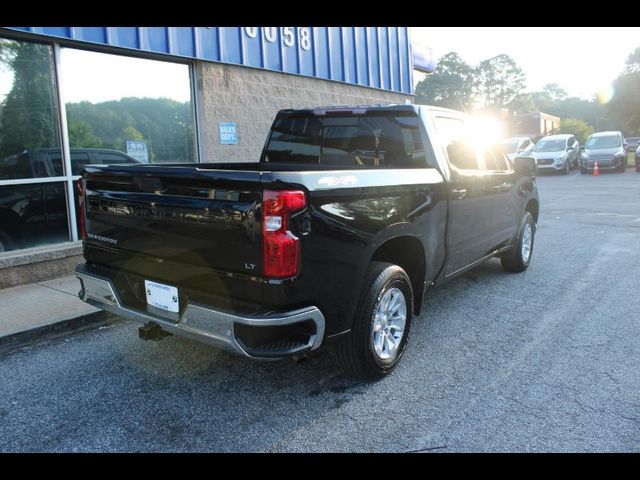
604 95
485 131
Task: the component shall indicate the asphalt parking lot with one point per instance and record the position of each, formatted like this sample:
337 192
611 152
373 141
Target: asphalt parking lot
546 360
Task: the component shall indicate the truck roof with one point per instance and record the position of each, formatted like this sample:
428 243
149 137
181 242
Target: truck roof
358 109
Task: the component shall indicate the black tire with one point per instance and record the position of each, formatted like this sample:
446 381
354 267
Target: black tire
513 260
6 243
355 351
567 168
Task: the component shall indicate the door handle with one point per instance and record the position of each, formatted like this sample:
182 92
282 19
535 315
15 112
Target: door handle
459 193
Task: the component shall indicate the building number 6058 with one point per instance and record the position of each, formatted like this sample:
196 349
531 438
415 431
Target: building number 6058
270 34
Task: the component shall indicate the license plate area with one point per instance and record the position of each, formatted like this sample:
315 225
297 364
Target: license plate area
162 297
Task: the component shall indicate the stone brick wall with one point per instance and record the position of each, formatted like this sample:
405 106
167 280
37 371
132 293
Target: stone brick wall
251 98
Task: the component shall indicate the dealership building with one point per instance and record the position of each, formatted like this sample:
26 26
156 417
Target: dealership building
72 96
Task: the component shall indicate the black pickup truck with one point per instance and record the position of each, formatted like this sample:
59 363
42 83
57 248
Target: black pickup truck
352 214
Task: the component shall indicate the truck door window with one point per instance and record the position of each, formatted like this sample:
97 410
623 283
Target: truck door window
456 142
494 159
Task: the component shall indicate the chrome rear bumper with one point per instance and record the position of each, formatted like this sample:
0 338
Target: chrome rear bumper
206 324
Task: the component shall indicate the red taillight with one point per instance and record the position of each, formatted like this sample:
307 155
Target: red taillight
281 248
81 212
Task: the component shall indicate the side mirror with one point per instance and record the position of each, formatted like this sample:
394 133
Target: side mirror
525 166
581 148
569 147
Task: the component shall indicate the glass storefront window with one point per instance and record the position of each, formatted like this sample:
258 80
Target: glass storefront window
29 117
124 107
33 214
119 110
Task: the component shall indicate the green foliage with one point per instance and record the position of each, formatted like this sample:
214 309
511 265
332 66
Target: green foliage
81 135
29 114
522 103
166 125
575 127
623 111
554 92
451 85
633 62
500 81
589 111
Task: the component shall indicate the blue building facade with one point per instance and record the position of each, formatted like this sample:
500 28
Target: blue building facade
378 57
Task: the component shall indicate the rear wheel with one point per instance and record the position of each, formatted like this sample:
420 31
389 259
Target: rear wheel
381 324
518 259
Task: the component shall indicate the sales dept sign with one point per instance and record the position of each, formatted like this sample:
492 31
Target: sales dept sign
228 133
138 150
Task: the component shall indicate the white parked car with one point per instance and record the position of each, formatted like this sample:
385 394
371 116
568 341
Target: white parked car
516 146
556 153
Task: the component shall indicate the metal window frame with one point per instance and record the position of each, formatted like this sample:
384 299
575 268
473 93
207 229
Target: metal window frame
66 149
58 92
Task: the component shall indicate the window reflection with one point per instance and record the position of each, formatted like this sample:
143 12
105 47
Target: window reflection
128 106
32 215
28 111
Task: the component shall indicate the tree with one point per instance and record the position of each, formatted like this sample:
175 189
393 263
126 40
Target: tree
554 92
623 111
575 127
451 85
166 125
29 115
81 135
500 80
633 62
522 103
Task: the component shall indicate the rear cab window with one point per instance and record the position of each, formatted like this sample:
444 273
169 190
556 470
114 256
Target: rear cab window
375 139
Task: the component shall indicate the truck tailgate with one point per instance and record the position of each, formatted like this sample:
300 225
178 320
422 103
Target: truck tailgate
178 214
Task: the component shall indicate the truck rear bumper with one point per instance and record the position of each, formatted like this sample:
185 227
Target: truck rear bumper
269 336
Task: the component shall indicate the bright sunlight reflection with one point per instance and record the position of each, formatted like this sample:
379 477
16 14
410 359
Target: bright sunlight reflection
604 95
484 131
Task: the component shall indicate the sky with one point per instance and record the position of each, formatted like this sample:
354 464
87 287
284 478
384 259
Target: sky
582 60
99 77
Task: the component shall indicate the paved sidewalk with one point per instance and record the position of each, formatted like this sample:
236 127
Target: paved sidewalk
30 312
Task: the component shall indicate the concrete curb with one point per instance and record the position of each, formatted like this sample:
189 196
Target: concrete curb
56 330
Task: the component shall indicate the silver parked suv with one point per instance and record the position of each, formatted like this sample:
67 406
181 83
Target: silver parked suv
556 153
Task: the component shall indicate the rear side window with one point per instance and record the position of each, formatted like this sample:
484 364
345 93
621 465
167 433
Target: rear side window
78 161
347 141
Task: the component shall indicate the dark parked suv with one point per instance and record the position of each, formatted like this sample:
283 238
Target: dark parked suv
606 148
32 214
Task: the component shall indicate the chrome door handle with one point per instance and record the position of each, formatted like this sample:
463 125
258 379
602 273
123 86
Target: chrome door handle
459 193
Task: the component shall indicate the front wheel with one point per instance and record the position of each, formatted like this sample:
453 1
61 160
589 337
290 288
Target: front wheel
567 168
518 259
381 324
